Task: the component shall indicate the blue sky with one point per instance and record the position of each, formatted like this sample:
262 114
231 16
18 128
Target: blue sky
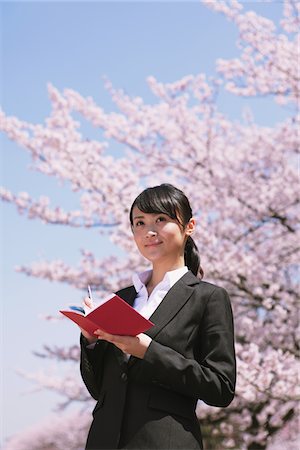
75 44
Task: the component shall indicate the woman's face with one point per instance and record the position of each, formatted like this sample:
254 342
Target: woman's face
158 237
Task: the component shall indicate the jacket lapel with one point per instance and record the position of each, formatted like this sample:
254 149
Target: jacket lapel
128 295
171 304
173 301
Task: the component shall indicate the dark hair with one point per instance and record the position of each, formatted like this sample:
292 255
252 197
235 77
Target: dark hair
169 200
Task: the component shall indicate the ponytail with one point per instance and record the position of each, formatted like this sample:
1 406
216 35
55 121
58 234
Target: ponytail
192 257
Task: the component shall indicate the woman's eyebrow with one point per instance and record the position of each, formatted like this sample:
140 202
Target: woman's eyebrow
138 217
153 214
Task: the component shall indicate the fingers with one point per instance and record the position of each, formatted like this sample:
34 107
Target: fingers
88 302
108 337
88 336
133 345
113 338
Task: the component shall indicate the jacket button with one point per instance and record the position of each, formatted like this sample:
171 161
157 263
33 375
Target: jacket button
124 376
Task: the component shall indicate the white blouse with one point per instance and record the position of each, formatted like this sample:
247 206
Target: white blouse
146 305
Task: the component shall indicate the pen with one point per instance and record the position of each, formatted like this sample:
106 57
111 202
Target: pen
90 293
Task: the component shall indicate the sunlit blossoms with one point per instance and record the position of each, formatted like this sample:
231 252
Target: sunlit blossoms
60 431
242 181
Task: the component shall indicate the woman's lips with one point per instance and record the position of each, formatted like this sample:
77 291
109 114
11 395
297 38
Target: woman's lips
153 244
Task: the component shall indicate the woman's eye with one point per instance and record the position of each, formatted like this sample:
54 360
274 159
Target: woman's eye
161 219
139 223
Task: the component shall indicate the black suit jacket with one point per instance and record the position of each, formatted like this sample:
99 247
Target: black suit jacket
150 403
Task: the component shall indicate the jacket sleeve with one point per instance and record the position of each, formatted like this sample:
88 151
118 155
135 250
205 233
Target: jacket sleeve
211 375
91 365
92 359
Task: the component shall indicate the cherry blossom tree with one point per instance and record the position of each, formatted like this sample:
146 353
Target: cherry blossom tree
241 179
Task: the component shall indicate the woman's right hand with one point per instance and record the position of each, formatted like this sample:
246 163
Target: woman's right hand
88 306
90 337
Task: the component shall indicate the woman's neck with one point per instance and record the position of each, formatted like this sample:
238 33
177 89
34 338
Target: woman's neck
159 271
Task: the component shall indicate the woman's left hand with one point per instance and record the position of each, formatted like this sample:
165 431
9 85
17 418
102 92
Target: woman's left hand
133 345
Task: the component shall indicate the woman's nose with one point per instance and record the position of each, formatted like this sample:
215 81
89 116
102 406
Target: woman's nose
151 233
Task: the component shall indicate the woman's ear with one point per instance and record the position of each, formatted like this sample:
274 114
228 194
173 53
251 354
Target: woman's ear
190 227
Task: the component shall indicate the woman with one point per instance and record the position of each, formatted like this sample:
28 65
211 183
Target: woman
147 386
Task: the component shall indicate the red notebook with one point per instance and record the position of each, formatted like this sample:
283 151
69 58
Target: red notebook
115 316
